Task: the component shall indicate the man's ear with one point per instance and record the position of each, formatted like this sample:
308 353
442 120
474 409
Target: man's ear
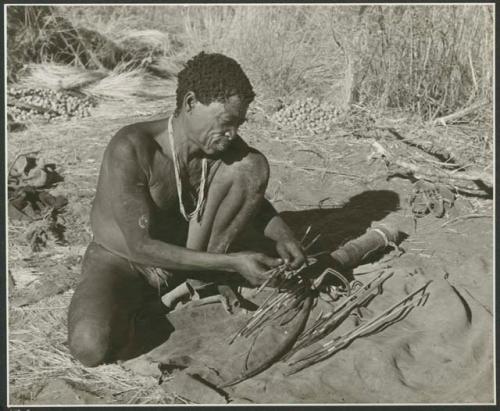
189 101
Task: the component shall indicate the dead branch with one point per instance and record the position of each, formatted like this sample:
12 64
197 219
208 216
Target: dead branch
432 149
315 169
483 180
459 114
465 217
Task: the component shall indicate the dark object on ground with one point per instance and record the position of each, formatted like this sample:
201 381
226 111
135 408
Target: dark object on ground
431 198
376 238
33 202
30 200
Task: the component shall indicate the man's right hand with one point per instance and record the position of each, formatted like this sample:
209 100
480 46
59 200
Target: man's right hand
252 266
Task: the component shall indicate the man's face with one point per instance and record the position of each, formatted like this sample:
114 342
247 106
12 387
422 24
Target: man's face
214 126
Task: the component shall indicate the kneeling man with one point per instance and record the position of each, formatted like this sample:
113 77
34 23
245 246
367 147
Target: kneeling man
173 196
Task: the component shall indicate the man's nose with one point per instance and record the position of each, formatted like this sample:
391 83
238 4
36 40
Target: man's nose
230 134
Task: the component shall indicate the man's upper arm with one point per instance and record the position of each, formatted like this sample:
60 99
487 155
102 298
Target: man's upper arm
130 200
265 214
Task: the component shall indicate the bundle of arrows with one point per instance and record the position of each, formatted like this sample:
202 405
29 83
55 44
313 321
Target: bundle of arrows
326 323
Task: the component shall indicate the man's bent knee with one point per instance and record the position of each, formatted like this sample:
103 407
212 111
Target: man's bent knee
89 343
252 172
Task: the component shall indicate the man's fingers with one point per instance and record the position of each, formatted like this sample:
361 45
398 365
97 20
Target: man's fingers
283 252
298 259
292 254
270 261
285 255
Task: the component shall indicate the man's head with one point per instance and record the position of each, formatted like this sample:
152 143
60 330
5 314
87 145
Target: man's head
213 93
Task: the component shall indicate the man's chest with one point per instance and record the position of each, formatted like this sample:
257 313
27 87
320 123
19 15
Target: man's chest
165 188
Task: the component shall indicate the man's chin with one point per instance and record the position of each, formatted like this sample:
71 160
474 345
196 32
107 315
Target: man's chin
220 148
214 153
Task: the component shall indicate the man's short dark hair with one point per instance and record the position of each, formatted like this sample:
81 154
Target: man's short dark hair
213 77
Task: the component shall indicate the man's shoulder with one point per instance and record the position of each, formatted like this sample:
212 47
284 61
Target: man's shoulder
124 144
135 138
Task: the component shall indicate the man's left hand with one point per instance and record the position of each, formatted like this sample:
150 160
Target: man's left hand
291 252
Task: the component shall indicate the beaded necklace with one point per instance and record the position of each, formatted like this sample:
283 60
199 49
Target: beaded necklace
201 189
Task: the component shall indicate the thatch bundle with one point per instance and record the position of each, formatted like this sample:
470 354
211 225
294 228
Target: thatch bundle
153 39
59 77
120 84
38 34
130 84
50 91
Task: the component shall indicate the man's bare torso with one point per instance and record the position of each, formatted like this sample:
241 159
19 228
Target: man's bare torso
154 168
135 149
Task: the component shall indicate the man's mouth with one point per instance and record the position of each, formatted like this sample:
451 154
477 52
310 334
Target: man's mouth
223 144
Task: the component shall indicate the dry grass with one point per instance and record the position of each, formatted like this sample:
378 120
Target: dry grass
128 84
281 48
116 21
59 77
44 34
121 84
430 60
38 352
153 39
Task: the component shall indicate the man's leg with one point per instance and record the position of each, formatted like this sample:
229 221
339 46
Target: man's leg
235 194
114 313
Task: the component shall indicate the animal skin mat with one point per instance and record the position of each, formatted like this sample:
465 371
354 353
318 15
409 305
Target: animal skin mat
440 352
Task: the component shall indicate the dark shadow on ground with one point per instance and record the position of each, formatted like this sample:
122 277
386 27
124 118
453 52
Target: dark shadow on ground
336 225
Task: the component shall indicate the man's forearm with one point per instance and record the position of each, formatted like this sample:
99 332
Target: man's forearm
278 230
272 224
160 254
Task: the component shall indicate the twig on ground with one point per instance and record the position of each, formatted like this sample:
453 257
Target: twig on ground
316 169
459 114
465 217
416 171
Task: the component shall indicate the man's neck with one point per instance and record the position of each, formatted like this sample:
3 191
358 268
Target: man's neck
182 144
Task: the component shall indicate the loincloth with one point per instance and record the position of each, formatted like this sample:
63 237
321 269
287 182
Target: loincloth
161 279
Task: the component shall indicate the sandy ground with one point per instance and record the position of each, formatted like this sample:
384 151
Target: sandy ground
441 352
